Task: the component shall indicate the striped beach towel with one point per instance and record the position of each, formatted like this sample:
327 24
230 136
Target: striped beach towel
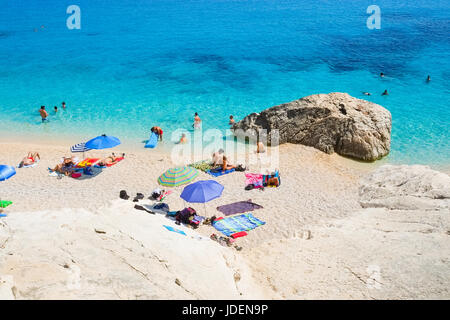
243 222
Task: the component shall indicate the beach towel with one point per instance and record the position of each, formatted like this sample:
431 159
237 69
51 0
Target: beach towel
110 165
231 225
118 160
2 215
239 234
203 165
255 179
174 230
238 207
217 173
86 162
28 166
4 203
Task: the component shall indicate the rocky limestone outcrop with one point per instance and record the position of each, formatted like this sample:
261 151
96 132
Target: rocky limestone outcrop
403 187
334 122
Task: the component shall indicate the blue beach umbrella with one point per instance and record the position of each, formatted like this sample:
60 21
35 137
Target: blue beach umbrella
202 191
6 172
102 142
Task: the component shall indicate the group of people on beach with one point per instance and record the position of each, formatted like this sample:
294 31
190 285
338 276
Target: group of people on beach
197 125
385 92
44 114
68 164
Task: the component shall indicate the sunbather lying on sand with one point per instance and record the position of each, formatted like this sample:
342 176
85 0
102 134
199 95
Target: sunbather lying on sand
109 160
29 159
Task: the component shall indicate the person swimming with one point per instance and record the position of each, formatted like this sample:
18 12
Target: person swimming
385 93
158 131
197 121
29 159
382 75
43 113
366 93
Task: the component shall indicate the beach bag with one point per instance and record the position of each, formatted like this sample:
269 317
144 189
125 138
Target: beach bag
123 195
184 215
76 175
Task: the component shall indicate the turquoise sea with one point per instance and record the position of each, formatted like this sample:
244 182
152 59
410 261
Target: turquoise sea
134 64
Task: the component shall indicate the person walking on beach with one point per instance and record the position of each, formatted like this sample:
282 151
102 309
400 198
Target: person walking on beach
43 113
158 131
385 93
197 121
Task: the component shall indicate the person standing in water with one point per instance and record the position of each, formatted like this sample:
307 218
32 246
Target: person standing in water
382 75
56 109
197 121
43 113
428 78
158 131
385 93
231 120
63 105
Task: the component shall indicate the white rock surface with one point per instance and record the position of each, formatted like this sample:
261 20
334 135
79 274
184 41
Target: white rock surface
406 187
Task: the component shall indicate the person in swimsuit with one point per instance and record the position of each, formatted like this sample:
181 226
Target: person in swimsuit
158 131
43 113
63 105
385 93
56 109
197 121
109 160
231 120
217 157
183 139
66 167
226 165
29 159
382 75
428 78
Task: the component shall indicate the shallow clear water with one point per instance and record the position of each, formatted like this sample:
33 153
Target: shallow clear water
136 63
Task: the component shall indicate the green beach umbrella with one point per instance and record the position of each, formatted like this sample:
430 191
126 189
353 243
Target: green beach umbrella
175 177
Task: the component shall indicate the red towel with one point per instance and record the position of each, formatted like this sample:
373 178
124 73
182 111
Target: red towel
239 234
117 160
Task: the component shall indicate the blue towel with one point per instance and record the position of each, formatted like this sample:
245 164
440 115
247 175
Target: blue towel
243 222
174 230
2 215
219 173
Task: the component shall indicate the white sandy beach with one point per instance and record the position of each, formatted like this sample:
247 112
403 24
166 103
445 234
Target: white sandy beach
318 242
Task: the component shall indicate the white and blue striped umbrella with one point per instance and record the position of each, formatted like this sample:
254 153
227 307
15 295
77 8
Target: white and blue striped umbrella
80 147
